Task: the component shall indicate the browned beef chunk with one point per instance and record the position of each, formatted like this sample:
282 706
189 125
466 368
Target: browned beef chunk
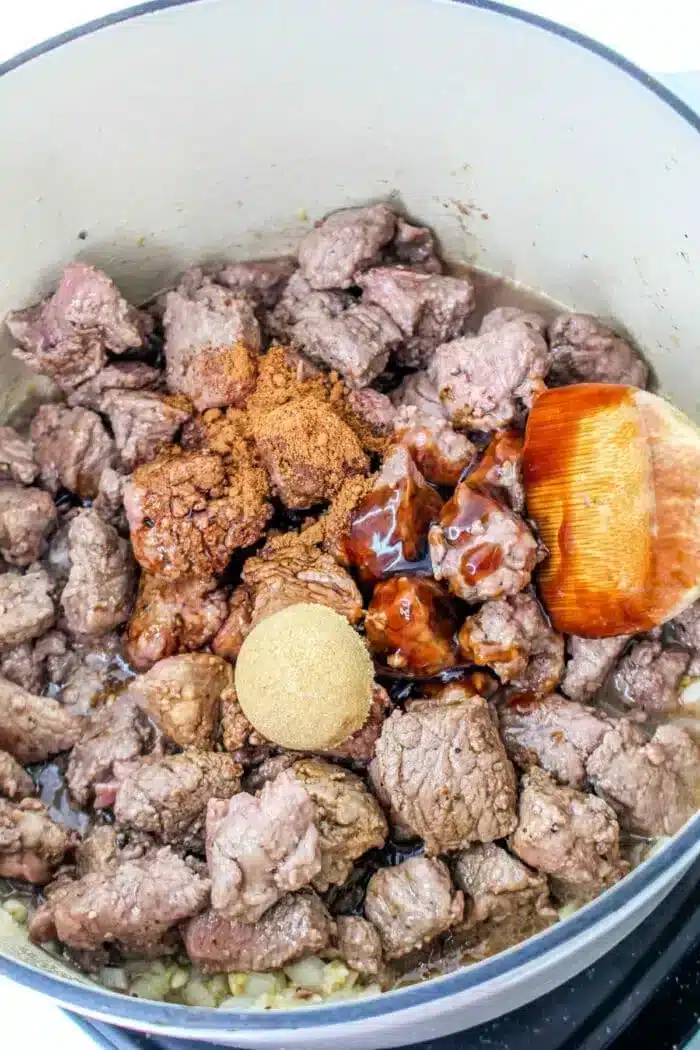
514 638
97 851
569 835
268 769
143 422
357 342
20 665
17 457
299 301
415 247
26 606
499 472
26 516
584 350
173 617
78 672
429 309
504 314
14 782
168 797
349 819
653 785
72 448
182 694
100 589
590 661
440 453
109 501
411 904
497 885
445 773
360 747
412 623
686 629
359 944
33 728
483 380
263 281
480 547
650 677
418 391
261 848
66 335
31 844
344 244
127 375
374 409
133 903
296 926
235 628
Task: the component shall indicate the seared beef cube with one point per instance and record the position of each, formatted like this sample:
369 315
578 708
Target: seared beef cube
66 335
653 785
309 452
236 627
497 885
349 819
14 782
499 472
359 944
31 844
97 851
258 849
415 247
649 677
357 343
446 774
33 728
109 501
412 622
26 516
212 339
189 511
484 380
686 629
143 422
361 746
590 661
73 448
127 375
344 244
481 548
114 736
504 314
263 281
374 409
552 732
411 904
298 925
26 606
182 694
168 797
514 637
584 350
299 301
17 457
173 617
418 391
84 671
440 453
133 903
20 665
429 309
100 589
569 835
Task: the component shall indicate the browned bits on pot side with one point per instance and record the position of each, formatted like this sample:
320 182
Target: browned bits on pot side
412 620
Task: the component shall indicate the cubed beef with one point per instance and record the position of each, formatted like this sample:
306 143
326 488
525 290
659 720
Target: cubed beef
359 944
417 390
19 665
411 904
258 849
31 844
189 511
212 339
17 457
446 775
357 343
262 281
133 903
298 925
349 819
26 606
127 375
504 314
571 836
686 629
649 676
299 301
496 885
81 672
33 728
415 247
236 627
173 617
374 409
344 244
361 746
26 516
483 380
499 472
168 797
584 350
412 623
440 453
14 782
97 851
182 694
109 501
67 335
513 636
73 448
100 589
481 548
429 309
590 662
653 785
143 422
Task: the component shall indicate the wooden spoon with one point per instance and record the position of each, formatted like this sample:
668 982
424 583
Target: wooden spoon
612 479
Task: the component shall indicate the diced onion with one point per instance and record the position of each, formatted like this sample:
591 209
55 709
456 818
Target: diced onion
307 973
196 993
16 910
114 977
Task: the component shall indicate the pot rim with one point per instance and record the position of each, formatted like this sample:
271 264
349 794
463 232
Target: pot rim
114 1006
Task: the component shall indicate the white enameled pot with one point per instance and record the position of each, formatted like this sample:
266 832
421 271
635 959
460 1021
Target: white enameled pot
182 131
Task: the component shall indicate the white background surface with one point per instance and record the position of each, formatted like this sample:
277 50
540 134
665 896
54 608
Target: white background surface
660 37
